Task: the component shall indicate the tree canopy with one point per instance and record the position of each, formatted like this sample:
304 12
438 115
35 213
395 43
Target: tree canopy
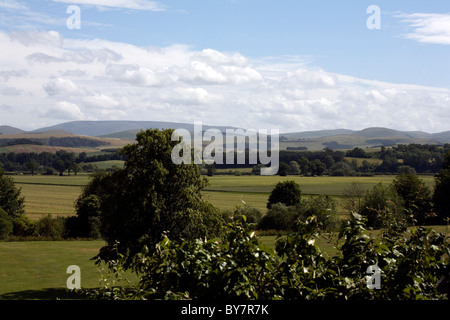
10 196
285 192
151 196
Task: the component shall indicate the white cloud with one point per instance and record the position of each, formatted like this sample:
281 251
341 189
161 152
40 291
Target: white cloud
100 80
61 86
65 110
126 4
428 27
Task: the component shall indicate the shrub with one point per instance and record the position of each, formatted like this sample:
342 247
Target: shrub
239 267
379 199
253 215
6 225
279 217
282 217
24 227
51 228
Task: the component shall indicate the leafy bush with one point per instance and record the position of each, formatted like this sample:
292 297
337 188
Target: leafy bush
51 228
6 225
279 217
282 217
24 227
240 267
379 199
253 215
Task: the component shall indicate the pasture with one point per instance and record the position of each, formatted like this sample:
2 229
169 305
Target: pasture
37 269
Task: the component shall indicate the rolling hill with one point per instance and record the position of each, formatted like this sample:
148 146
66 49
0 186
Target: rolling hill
114 134
10 130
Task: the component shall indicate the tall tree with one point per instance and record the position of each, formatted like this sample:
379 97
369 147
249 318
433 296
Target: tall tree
415 194
441 198
285 192
150 196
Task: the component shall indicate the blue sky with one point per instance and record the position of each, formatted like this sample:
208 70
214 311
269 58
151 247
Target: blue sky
291 65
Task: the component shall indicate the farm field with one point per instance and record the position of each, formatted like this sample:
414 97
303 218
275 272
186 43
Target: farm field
56 195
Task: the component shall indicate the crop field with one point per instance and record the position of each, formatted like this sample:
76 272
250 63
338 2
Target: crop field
37 269
56 195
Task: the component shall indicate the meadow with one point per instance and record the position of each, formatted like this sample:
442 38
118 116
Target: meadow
37 269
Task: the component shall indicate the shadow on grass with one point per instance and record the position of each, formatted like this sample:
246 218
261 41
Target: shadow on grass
44 294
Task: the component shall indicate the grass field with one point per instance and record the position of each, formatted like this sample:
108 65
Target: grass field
37 269
56 195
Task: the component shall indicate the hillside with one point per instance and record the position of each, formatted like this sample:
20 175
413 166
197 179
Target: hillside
10 130
114 134
52 141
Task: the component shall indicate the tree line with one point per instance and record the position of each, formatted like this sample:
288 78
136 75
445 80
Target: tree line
47 163
397 159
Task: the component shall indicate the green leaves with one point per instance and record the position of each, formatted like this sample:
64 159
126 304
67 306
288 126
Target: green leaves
238 266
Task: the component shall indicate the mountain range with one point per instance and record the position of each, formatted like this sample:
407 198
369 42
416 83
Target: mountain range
312 140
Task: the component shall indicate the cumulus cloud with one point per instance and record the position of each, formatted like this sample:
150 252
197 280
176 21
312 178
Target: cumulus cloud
428 27
65 110
101 80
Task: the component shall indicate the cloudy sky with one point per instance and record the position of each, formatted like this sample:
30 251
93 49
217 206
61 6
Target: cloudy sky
262 64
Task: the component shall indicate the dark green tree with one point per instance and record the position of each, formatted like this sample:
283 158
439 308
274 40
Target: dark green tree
284 169
417 199
10 197
441 198
87 221
285 192
151 196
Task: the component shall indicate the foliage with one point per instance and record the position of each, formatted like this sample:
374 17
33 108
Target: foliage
10 199
441 191
51 228
416 196
279 217
87 222
240 267
379 199
24 227
6 225
253 215
151 195
285 192
282 217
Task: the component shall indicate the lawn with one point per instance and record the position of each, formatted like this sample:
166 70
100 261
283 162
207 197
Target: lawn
39 267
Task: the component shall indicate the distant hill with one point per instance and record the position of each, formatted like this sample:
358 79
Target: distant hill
316 134
366 138
117 129
119 133
10 130
442 137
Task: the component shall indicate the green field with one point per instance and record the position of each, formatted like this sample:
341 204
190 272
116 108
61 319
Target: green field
56 195
39 267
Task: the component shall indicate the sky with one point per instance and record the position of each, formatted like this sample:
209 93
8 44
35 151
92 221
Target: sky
288 65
